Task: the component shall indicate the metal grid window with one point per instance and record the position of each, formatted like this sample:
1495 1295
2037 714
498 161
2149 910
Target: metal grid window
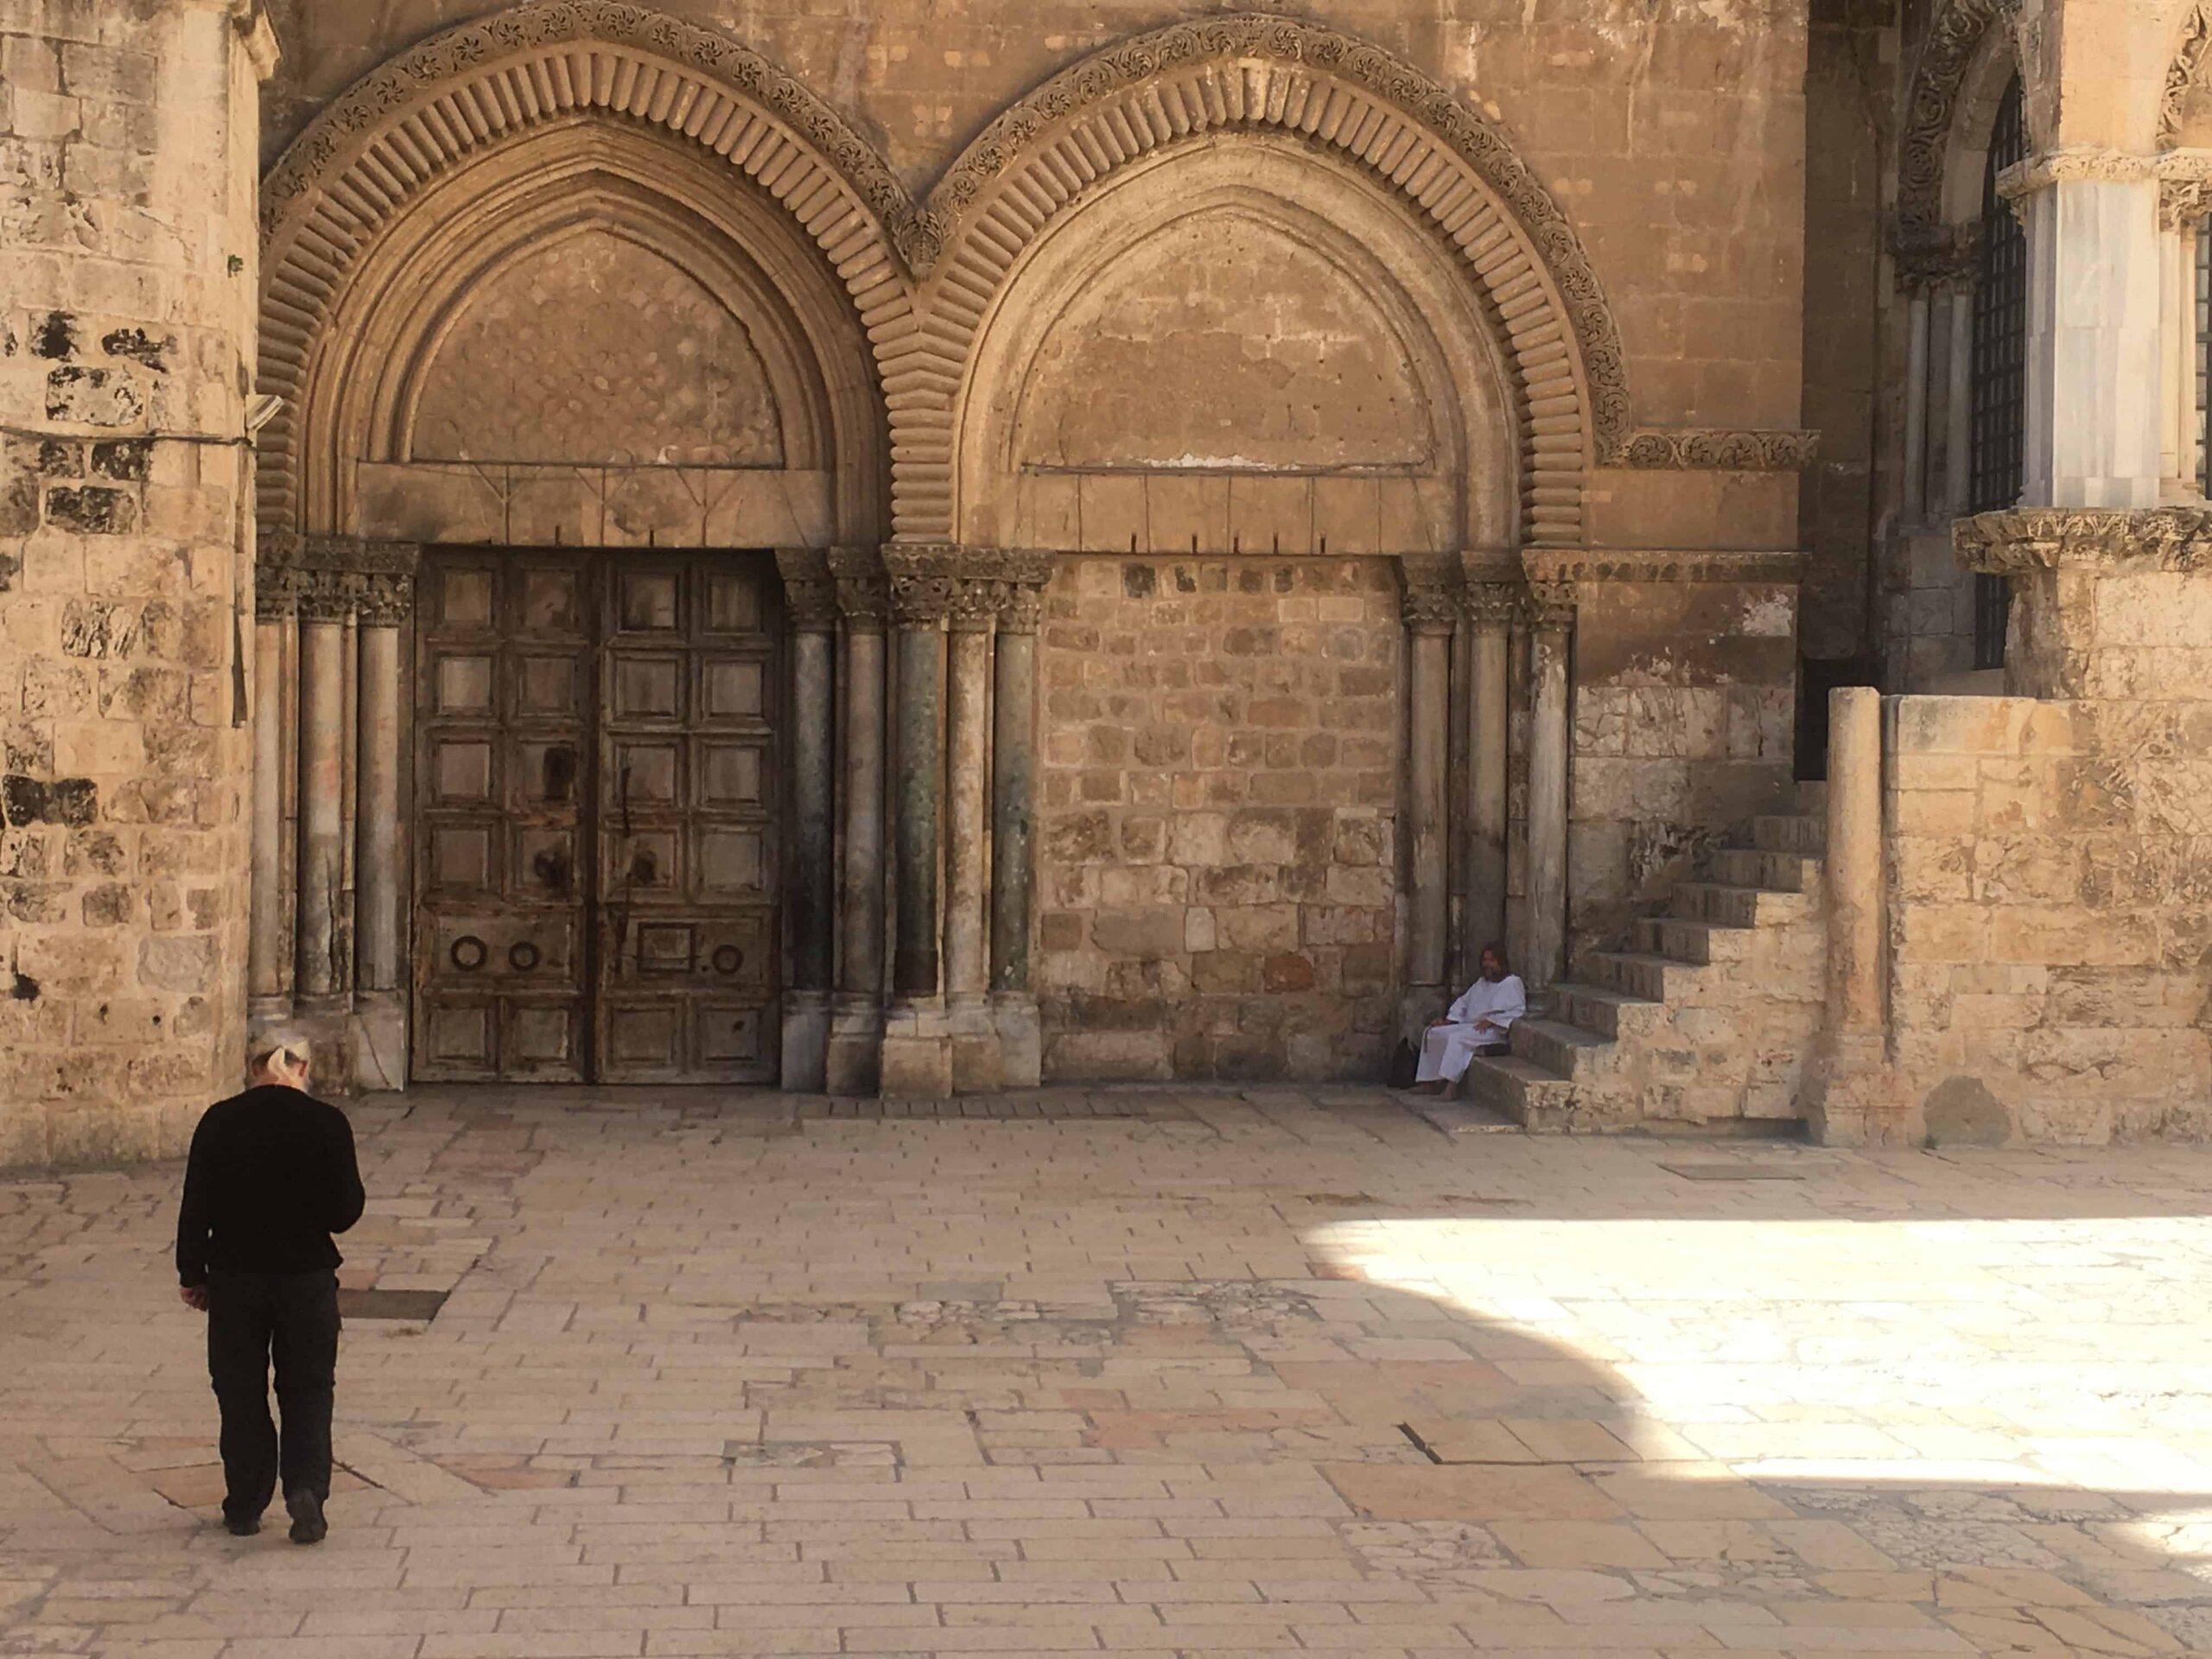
2000 342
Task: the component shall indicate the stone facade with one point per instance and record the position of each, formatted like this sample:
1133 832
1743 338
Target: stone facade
127 326
1264 504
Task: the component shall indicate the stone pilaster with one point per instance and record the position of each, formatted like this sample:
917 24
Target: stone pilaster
811 615
856 1011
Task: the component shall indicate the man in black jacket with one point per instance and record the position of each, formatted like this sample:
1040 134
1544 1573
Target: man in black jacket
272 1175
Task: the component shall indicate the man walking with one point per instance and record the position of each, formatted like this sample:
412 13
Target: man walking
271 1176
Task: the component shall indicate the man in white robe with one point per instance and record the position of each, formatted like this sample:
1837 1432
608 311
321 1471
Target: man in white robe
1476 1024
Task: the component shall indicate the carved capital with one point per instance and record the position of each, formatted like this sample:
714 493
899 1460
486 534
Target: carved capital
1430 600
1491 604
386 598
324 595
924 576
809 590
864 592
1936 259
1021 607
2022 541
275 598
2183 203
975 605
1720 449
1549 607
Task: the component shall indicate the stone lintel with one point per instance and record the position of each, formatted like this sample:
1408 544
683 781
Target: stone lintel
2020 540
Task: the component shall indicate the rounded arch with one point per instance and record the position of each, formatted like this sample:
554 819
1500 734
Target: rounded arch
2191 41
1386 347
1449 167
485 90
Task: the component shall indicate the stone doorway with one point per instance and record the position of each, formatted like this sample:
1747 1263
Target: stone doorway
597 804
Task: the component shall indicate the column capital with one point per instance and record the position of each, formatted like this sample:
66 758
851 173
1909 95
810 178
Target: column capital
1549 607
809 590
975 605
276 594
1492 604
1936 259
328 596
1021 607
863 594
2183 203
925 581
1430 598
387 600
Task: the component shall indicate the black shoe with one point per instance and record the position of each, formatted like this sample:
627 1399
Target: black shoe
242 1526
306 1509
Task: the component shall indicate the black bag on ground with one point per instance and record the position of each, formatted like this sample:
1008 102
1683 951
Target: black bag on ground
1404 1064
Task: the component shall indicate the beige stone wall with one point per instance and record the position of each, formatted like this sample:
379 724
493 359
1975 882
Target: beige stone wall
127 294
1216 818
1684 702
2050 923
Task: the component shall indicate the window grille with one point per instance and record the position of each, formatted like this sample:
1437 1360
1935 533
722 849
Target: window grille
2000 340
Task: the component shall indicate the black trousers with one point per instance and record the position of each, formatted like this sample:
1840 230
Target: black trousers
292 1316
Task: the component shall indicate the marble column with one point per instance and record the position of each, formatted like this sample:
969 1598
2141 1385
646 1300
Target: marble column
380 1054
1550 632
973 619
1958 405
1489 617
1429 612
916 1059
1014 744
2182 207
323 944
810 613
270 954
1915 408
1852 877
2093 346
856 1012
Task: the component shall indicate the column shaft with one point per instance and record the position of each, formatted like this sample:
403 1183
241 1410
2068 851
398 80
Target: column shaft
856 1019
1012 792
1853 866
1958 444
324 953
1916 409
914 966
269 942
813 793
1428 736
1489 723
1547 765
379 904
966 966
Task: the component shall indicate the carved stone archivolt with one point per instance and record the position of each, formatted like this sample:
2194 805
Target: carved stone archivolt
2182 73
2023 540
1721 449
1923 146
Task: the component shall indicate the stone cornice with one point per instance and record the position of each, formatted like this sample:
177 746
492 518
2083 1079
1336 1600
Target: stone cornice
1660 565
2020 540
1716 449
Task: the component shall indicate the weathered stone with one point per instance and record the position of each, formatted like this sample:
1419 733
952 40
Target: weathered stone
92 397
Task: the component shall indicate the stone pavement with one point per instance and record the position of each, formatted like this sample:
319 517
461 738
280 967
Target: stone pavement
1163 1372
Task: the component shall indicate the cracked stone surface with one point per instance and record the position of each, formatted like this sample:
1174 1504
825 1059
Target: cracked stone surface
1268 1371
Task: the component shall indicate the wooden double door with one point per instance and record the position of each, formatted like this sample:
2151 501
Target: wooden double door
596 809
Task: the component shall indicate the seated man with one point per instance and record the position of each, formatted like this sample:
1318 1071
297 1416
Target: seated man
1476 1024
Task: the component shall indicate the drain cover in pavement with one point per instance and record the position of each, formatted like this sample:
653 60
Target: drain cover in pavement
414 1305
1729 1172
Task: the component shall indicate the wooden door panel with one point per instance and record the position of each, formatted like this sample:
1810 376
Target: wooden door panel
596 795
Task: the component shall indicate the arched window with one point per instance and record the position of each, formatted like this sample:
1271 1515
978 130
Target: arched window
2000 342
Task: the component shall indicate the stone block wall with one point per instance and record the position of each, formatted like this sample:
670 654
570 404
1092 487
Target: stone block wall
1684 705
127 292
1216 818
2048 895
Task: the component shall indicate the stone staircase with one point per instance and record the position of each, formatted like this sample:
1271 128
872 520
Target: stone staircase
1704 1024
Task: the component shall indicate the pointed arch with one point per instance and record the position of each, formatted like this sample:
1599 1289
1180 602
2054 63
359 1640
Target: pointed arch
1450 167
418 121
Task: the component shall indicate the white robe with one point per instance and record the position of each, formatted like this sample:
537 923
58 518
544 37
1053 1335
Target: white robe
1446 1049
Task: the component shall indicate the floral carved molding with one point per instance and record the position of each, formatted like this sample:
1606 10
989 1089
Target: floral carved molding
1720 449
1923 146
2022 541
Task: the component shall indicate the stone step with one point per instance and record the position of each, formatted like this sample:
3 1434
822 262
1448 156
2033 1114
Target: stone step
1747 867
1608 1011
1728 906
1691 941
1565 1051
1641 975
1528 1094
1789 834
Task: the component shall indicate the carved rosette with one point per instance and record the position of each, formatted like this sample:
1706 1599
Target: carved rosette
2026 541
1720 449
